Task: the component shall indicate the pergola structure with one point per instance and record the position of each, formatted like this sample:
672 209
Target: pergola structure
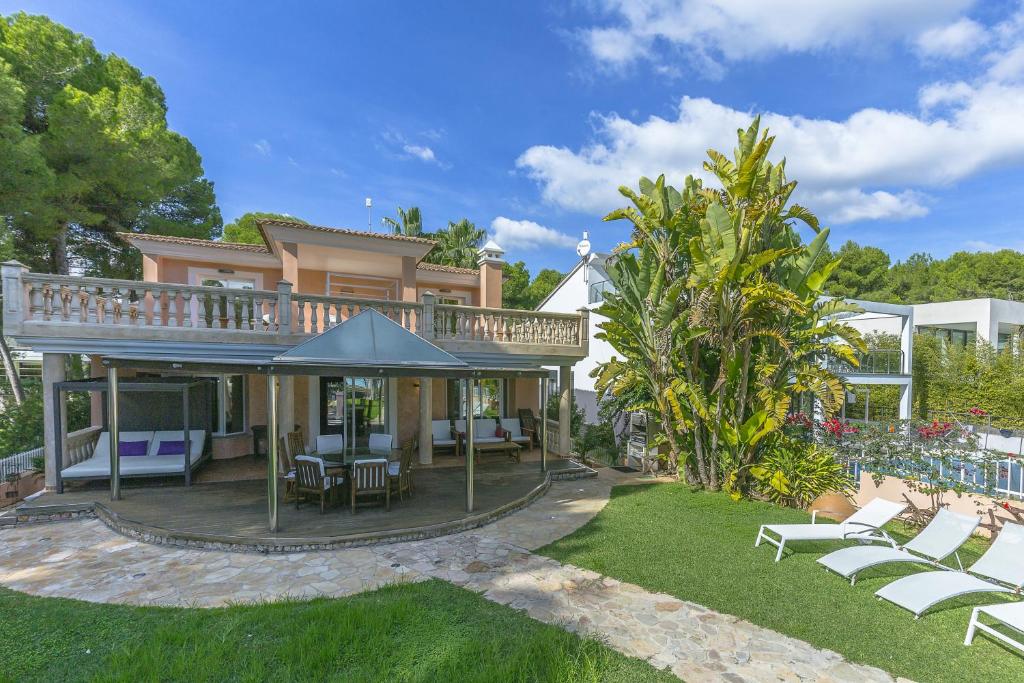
366 345
174 385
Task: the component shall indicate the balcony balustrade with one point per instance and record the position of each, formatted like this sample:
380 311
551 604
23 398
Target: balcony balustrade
41 305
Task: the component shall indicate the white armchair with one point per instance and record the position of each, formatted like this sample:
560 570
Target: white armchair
381 444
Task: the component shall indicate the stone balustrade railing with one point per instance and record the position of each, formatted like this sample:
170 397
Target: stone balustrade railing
469 323
37 304
315 314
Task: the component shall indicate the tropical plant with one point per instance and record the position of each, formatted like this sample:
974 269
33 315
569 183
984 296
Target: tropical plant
457 245
409 223
794 473
718 313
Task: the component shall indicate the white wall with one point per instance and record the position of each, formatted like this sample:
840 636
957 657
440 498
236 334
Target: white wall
568 298
987 317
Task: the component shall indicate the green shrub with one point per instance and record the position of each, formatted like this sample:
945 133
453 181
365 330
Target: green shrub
21 426
794 473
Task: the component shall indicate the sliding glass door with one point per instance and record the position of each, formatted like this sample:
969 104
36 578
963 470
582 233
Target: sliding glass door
355 407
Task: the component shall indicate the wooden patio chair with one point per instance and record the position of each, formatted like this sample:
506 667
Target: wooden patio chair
370 478
528 425
400 473
312 481
296 444
286 466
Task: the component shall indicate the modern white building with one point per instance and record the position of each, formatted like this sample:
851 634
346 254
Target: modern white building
996 321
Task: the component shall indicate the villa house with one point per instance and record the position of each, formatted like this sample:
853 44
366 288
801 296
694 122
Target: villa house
233 315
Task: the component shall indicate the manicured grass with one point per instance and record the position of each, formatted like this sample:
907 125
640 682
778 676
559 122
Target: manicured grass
429 631
699 547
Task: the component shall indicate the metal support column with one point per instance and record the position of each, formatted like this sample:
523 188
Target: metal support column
470 385
543 425
188 440
114 415
274 439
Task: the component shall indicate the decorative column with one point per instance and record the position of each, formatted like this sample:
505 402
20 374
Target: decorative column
426 445
54 418
114 431
564 410
470 385
273 448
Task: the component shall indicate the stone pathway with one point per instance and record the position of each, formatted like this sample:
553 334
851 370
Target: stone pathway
83 559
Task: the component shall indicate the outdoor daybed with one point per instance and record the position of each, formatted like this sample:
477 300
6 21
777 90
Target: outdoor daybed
152 463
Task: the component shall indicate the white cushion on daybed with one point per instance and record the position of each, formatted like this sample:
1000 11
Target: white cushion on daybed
99 464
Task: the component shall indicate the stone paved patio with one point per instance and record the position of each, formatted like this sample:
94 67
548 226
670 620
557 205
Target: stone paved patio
83 559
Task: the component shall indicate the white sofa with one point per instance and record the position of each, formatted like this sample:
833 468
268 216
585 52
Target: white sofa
441 434
513 426
97 466
483 430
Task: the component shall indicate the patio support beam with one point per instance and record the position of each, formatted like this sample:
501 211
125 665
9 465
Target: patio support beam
54 431
543 427
564 410
188 441
426 443
272 452
114 432
470 385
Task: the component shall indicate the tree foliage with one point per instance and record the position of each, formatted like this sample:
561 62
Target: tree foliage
716 318
85 152
244 230
866 273
408 223
457 244
519 292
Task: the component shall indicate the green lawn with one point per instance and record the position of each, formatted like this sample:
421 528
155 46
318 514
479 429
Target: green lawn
699 547
430 631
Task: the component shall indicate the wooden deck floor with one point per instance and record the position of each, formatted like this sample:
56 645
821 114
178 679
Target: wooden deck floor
236 511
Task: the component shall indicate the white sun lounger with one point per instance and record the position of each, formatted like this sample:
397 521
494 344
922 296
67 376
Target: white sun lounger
944 534
1003 562
1010 614
862 525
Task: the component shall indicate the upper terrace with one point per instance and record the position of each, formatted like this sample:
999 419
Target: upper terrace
62 313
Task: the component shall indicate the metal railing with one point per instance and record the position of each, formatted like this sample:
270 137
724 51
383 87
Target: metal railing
872 362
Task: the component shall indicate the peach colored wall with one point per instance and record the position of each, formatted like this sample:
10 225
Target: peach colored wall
490 285
408 409
439 399
525 395
893 488
176 270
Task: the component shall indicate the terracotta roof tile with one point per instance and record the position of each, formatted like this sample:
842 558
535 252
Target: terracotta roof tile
346 231
193 241
446 269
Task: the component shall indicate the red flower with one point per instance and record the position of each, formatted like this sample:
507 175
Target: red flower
1006 506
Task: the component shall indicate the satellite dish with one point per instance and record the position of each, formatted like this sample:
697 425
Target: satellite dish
583 248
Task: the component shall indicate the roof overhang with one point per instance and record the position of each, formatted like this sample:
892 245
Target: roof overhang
213 252
277 232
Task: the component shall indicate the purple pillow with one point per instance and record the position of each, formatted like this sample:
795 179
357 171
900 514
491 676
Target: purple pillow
132 447
171 448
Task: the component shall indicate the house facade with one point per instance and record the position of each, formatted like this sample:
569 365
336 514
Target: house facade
204 307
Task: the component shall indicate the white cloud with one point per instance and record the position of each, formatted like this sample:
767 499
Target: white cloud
872 165
421 152
983 245
711 32
262 146
512 234
960 38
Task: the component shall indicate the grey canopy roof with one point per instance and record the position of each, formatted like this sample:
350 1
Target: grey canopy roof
370 340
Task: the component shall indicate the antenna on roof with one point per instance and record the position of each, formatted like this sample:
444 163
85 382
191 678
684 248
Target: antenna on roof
369 207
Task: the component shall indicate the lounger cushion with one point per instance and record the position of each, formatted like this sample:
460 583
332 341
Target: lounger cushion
441 430
918 592
132 448
444 442
849 561
394 468
513 426
171 448
98 466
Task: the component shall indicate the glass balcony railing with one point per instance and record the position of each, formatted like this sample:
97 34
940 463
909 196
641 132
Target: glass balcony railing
598 290
872 362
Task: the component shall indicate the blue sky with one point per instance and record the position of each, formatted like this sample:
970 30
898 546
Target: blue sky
902 119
